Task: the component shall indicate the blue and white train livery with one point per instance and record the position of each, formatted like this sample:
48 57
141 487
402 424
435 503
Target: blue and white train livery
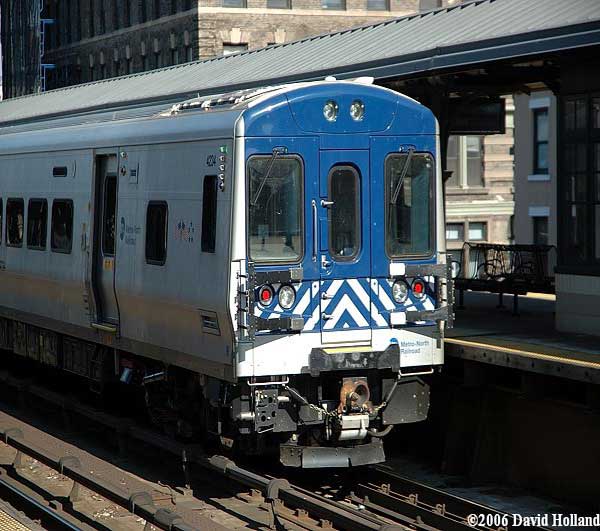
268 266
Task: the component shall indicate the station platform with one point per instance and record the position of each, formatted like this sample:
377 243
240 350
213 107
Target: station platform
528 341
13 520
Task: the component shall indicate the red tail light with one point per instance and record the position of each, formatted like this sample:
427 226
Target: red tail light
265 295
418 288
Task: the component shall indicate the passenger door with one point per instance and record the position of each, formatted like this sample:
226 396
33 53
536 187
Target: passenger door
105 231
344 247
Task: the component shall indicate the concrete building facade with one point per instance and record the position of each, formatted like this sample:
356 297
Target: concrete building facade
480 191
536 169
96 39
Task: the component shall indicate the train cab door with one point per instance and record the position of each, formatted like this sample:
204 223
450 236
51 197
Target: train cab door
344 247
105 209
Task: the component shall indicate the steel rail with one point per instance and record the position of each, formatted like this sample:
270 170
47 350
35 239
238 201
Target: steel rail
47 515
139 503
280 489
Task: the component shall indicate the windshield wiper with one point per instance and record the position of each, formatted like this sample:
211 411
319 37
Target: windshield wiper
276 153
396 193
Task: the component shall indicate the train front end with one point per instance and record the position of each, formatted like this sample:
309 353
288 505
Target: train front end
340 288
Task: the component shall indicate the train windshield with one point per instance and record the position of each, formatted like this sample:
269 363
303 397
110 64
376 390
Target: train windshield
408 185
275 209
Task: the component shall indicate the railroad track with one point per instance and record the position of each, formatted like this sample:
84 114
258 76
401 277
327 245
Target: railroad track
378 499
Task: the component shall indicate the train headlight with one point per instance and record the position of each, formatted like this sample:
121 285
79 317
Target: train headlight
286 296
400 291
265 295
330 111
357 110
418 289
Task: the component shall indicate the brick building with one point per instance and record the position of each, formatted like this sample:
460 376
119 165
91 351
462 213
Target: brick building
96 39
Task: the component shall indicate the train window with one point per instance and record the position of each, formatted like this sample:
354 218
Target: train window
37 224
344 214
61 231
209 214
408 191
15 222
156 233
110 212
275 208
1 212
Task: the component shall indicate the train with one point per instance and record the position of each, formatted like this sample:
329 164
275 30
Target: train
266 268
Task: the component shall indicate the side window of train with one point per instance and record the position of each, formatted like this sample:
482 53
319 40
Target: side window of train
209 214
15 222
156 232
61 235
409 205
37 224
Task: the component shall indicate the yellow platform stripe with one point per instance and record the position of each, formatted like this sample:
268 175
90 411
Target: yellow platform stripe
8 523
525 353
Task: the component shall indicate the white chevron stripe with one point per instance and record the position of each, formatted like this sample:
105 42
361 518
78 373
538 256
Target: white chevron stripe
303 303
385 300
345 304
360 292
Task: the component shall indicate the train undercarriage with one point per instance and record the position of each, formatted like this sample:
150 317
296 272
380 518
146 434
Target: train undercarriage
334 418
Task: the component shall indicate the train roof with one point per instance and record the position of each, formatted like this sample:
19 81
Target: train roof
468 33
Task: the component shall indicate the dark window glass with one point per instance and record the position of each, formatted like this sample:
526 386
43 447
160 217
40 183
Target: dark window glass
91 18
333 4
540 230
540 141
455 231
156 233
234 3
279 4
15 222
156 9
344 213
127 13
37 223
474 160
209 214
408 192
115 15
109 216
378 5
452 161
173 7
143 11
1 214
275 209
61 235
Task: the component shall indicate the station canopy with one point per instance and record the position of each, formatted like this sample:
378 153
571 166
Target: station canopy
397 52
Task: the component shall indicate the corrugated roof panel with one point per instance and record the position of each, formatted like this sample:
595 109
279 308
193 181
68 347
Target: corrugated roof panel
472 25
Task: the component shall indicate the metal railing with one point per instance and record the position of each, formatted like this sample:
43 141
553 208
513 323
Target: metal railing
504 269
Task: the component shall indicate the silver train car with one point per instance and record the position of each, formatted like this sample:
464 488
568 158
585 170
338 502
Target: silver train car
266 268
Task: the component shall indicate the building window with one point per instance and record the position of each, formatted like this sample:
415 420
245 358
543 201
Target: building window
464 158
156 9
127 13
540 141
175 56
173 7
115 15
37 223
333 4
229 49
146 62
209 214
378 5
477 231
279 4
91 18
156 233
540 230
143 11
15 222
455 232
234 3
189 54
